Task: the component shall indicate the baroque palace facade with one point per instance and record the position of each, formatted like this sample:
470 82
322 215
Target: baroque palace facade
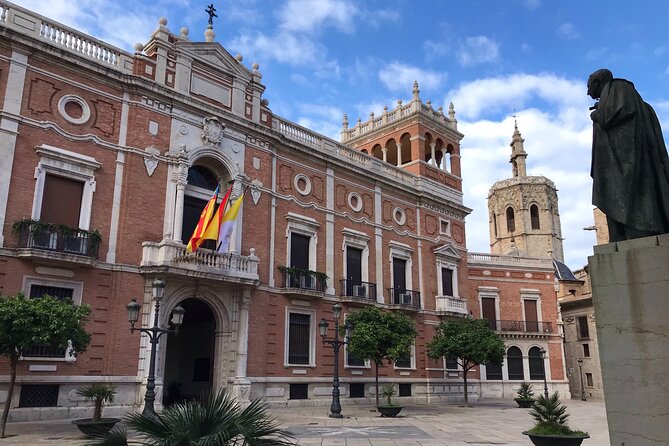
107 159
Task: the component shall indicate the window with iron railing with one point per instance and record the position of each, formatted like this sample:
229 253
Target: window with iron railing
536 363
514 362
299 339
45 351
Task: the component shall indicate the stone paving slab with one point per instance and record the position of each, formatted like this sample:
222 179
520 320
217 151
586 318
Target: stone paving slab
489 422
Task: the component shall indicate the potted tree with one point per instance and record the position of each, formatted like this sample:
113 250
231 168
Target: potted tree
525 396
389 409
550 428
99 393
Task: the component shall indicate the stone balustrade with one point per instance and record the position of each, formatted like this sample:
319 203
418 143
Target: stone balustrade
475 258
34 25
171 257
451 304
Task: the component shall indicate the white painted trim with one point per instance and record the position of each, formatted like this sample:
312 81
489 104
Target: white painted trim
312 337
359 240
63 163
307 188
412 355
85 109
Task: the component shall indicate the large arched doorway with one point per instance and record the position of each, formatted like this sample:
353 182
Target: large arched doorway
190 354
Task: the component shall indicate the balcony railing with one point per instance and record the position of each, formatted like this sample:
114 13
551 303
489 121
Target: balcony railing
364 291
303 279
521 326
171 257
57 238
451 304
405 298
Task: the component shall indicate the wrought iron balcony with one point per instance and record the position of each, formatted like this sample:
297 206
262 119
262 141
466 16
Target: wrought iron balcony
450 304
303 279
57 242
357 290
506 326
170 257
404 298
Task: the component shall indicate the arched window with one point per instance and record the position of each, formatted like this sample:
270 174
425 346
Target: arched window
200 176
494 223
514 363
536 363
534 216
510 220
493 372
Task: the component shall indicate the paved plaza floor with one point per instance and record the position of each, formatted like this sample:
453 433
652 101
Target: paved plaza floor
488 422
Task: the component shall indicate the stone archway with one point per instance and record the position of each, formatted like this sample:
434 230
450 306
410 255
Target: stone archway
190 354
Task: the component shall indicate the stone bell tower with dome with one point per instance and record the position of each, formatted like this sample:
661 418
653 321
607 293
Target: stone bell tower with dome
523 211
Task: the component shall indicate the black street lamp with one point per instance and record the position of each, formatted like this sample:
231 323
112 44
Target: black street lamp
335 407
542 353
154 334
580 377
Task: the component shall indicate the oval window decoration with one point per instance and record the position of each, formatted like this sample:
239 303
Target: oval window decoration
302 184
74 109
355 201
399 216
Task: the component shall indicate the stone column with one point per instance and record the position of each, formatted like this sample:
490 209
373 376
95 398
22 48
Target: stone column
629 291
242 385
385 154
433 153
444 164
399 153
181 179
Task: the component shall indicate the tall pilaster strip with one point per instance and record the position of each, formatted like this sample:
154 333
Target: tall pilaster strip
329 230
378 242
118 180
8 129
272 223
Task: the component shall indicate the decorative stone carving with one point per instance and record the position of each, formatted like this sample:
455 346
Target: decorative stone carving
212 131
255 190
151 159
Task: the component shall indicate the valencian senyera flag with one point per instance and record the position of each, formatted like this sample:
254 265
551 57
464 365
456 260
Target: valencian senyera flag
205 217
228 224
214 226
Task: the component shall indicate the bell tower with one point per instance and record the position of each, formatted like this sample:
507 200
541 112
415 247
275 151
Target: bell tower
523 211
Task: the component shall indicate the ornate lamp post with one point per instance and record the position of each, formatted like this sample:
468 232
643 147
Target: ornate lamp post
580 377
542 353
154 334
335 407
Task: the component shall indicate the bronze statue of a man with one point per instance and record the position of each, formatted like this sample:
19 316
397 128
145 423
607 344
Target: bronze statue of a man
630 165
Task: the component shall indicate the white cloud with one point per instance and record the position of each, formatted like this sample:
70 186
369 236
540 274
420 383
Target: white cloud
398 76
324 111
310 15
532 4
567 31
492 95
283 47
434 49
380 17
477 50
558 143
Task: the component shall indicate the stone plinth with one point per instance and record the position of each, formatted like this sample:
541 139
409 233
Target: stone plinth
630 288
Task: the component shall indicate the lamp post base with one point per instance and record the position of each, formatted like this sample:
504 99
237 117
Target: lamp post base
336 415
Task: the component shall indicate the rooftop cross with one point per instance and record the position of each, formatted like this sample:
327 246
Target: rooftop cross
212 13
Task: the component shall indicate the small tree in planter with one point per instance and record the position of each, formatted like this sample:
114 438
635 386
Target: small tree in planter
99 393
469 340
525 395
389 409
550 428
378 335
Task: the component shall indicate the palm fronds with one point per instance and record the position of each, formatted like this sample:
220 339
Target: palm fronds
549 411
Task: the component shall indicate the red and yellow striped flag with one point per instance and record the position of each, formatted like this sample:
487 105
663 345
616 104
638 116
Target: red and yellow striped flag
205 217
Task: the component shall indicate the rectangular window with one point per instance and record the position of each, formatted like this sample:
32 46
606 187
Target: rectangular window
403 362
299 391
356 390
61 201
531 324
404 390
588 380
61 293
582 327
489 311
493 372
446 282
39 395
299 338
354 361
451 363
586 350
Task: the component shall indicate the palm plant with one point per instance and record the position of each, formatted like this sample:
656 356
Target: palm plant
525 391
388 391
99 393
550 417
217 420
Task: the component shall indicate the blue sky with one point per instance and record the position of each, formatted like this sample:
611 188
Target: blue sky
323 58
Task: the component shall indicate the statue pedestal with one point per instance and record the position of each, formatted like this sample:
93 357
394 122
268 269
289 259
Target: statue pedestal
630 290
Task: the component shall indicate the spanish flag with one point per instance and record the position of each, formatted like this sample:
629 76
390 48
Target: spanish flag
214 227
205 217
228 224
